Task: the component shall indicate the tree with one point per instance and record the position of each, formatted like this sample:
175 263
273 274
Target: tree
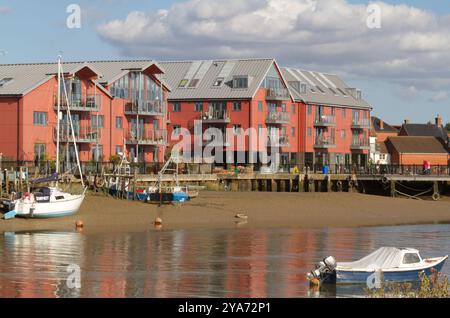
447 127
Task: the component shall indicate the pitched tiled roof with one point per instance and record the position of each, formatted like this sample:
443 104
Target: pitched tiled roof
26 77
386 127
424 130
417 145
199 78
321 88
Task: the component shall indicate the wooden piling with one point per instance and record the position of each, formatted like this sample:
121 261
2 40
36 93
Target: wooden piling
329 184
6 182
393 192
134 185
301 186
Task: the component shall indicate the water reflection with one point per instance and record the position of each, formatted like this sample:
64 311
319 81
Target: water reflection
195 263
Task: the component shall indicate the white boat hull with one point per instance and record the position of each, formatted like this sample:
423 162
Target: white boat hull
66 207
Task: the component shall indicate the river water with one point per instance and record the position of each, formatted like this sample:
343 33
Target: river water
194 263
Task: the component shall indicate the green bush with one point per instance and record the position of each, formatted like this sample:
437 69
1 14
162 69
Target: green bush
434 286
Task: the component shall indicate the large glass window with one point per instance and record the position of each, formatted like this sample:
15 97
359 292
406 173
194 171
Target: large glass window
153 89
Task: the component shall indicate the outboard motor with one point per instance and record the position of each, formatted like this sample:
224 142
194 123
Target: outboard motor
324 272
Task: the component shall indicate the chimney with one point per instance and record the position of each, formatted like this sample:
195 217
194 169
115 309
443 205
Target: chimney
439 121
381 124
407 121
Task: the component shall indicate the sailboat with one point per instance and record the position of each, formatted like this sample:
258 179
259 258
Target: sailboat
49 202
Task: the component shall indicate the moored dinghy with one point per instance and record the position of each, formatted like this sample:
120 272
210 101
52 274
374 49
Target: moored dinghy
394 264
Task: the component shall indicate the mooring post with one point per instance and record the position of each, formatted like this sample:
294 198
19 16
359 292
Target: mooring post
254 185
329 184
134 185
300 183
7 182
393 192
311 185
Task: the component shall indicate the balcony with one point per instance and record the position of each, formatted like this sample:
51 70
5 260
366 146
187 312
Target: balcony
83 134
278 118
145 108
277 94
325 121
363 123
216 117
278 141
214 142
147 137
81 103
360 144
324 143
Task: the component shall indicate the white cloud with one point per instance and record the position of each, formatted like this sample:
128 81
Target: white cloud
440 96
410 49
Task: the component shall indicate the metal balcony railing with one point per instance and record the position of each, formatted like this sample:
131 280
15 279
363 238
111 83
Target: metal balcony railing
145 107
360 144
278 118
324 142
83 134
360 123
277 94
146 136
216 116
278 141
212 141
325 120
83 102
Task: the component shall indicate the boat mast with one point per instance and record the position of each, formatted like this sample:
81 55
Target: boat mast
69 116
58 115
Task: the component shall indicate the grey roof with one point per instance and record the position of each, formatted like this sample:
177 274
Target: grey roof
321 88
386 127
208 71
424 130
26 77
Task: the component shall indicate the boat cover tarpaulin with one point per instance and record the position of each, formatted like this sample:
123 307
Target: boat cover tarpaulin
383 258
53 177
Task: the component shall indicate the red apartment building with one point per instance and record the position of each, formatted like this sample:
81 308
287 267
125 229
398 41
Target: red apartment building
232 95
320 120
123 104
114 106
334 119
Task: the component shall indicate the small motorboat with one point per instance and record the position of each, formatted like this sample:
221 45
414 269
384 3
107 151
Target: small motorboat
156 193
394 265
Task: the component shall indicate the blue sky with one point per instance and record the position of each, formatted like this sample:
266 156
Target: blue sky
35 31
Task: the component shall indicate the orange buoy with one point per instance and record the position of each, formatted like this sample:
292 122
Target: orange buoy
79 224
158 221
